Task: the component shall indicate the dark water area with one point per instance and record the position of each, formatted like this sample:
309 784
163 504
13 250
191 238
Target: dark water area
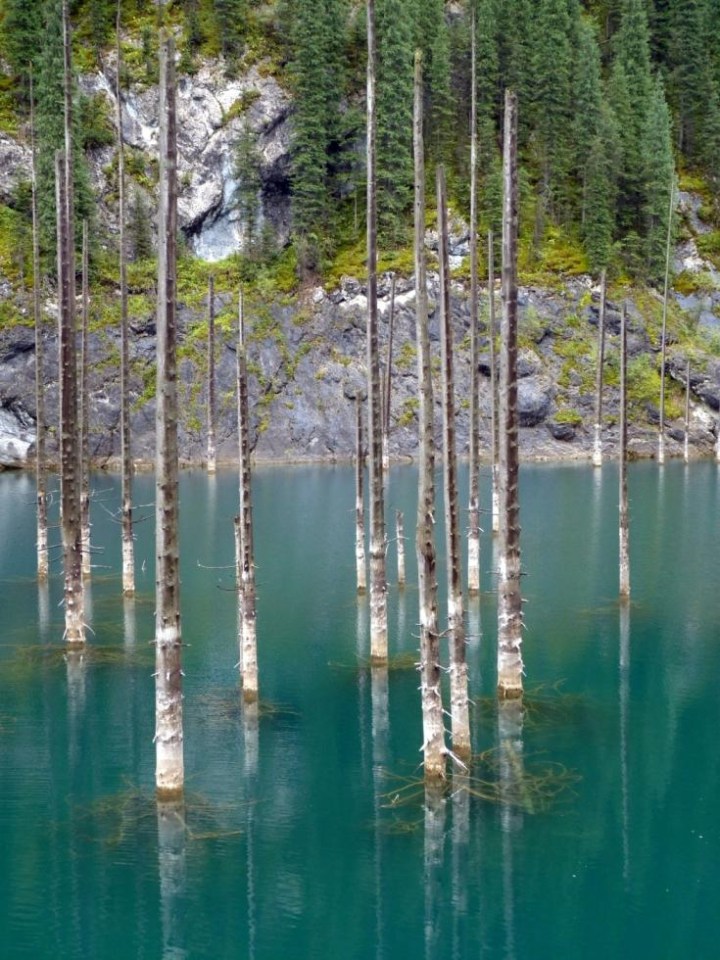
288 844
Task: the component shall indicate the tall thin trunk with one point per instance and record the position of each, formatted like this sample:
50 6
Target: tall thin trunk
460 718
249 614
493 385
40 461
212 404
128 542
597 447
378 577
686 437
400 540
474 452
387 382
169 769
431 695
84 406
624 511
360 563
663 343
69 447
510 662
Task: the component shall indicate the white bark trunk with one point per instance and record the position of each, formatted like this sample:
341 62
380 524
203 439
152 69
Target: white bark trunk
493 385
624 525
378 546
663 343
509 663
597 446
686 437
212 406
169 760
474 451
84 407
360 559
433 747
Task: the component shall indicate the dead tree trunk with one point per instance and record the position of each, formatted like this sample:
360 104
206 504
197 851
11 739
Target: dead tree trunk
212 404
249 615
84 406
128 542
40 461
663 341
510 662
169 770
474 451
597 446
387 383
493 385
460 718
69 451
360 563
69 442
686 437
624 535
400 540
378 546
431 696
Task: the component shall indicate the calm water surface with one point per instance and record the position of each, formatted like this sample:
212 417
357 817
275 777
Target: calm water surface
290 849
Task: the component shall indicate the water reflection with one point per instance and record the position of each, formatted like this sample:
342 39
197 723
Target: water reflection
433 856
129 623
172 871
380 734
624 698
44 612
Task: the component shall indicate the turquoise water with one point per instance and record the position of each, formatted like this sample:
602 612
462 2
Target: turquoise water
290 849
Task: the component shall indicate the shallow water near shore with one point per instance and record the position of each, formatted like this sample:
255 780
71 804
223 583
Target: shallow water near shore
289 843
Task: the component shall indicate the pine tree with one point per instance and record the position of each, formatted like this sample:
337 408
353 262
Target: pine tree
517 36
394 117
247 174
691 87
50 135
600 196
231 17
487 83
21 36
659 170
587 100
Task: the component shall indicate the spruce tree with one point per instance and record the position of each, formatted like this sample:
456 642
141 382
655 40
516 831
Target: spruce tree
394 117
487 82
691 88
659 170
247 174
600 197
231 18
21 35
587 100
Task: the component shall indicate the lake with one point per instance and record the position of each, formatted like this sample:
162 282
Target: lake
289 843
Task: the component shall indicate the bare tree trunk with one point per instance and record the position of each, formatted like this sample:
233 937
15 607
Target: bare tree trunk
40 458
510 662
249 614
597 447
169 769
378 577
128 542
624 511
69 452
663 344
460 718
400 540
69 445
686 438
212 405
474 451
493 386
84 407
360 563
387 383
431 695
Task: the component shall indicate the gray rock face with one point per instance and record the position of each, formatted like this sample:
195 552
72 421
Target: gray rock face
14 164
17 436
535 397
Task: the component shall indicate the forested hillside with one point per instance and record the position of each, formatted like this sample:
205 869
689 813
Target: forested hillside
612 95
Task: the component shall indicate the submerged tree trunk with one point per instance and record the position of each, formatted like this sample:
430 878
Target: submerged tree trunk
248 639
663 342
40 461
510 662
84 407
474 451
128 543
460 718
169 769
686 437
431 696
400 540
493 386
597 446
360 562
387 398
624 510
70 511
212 405
378 576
